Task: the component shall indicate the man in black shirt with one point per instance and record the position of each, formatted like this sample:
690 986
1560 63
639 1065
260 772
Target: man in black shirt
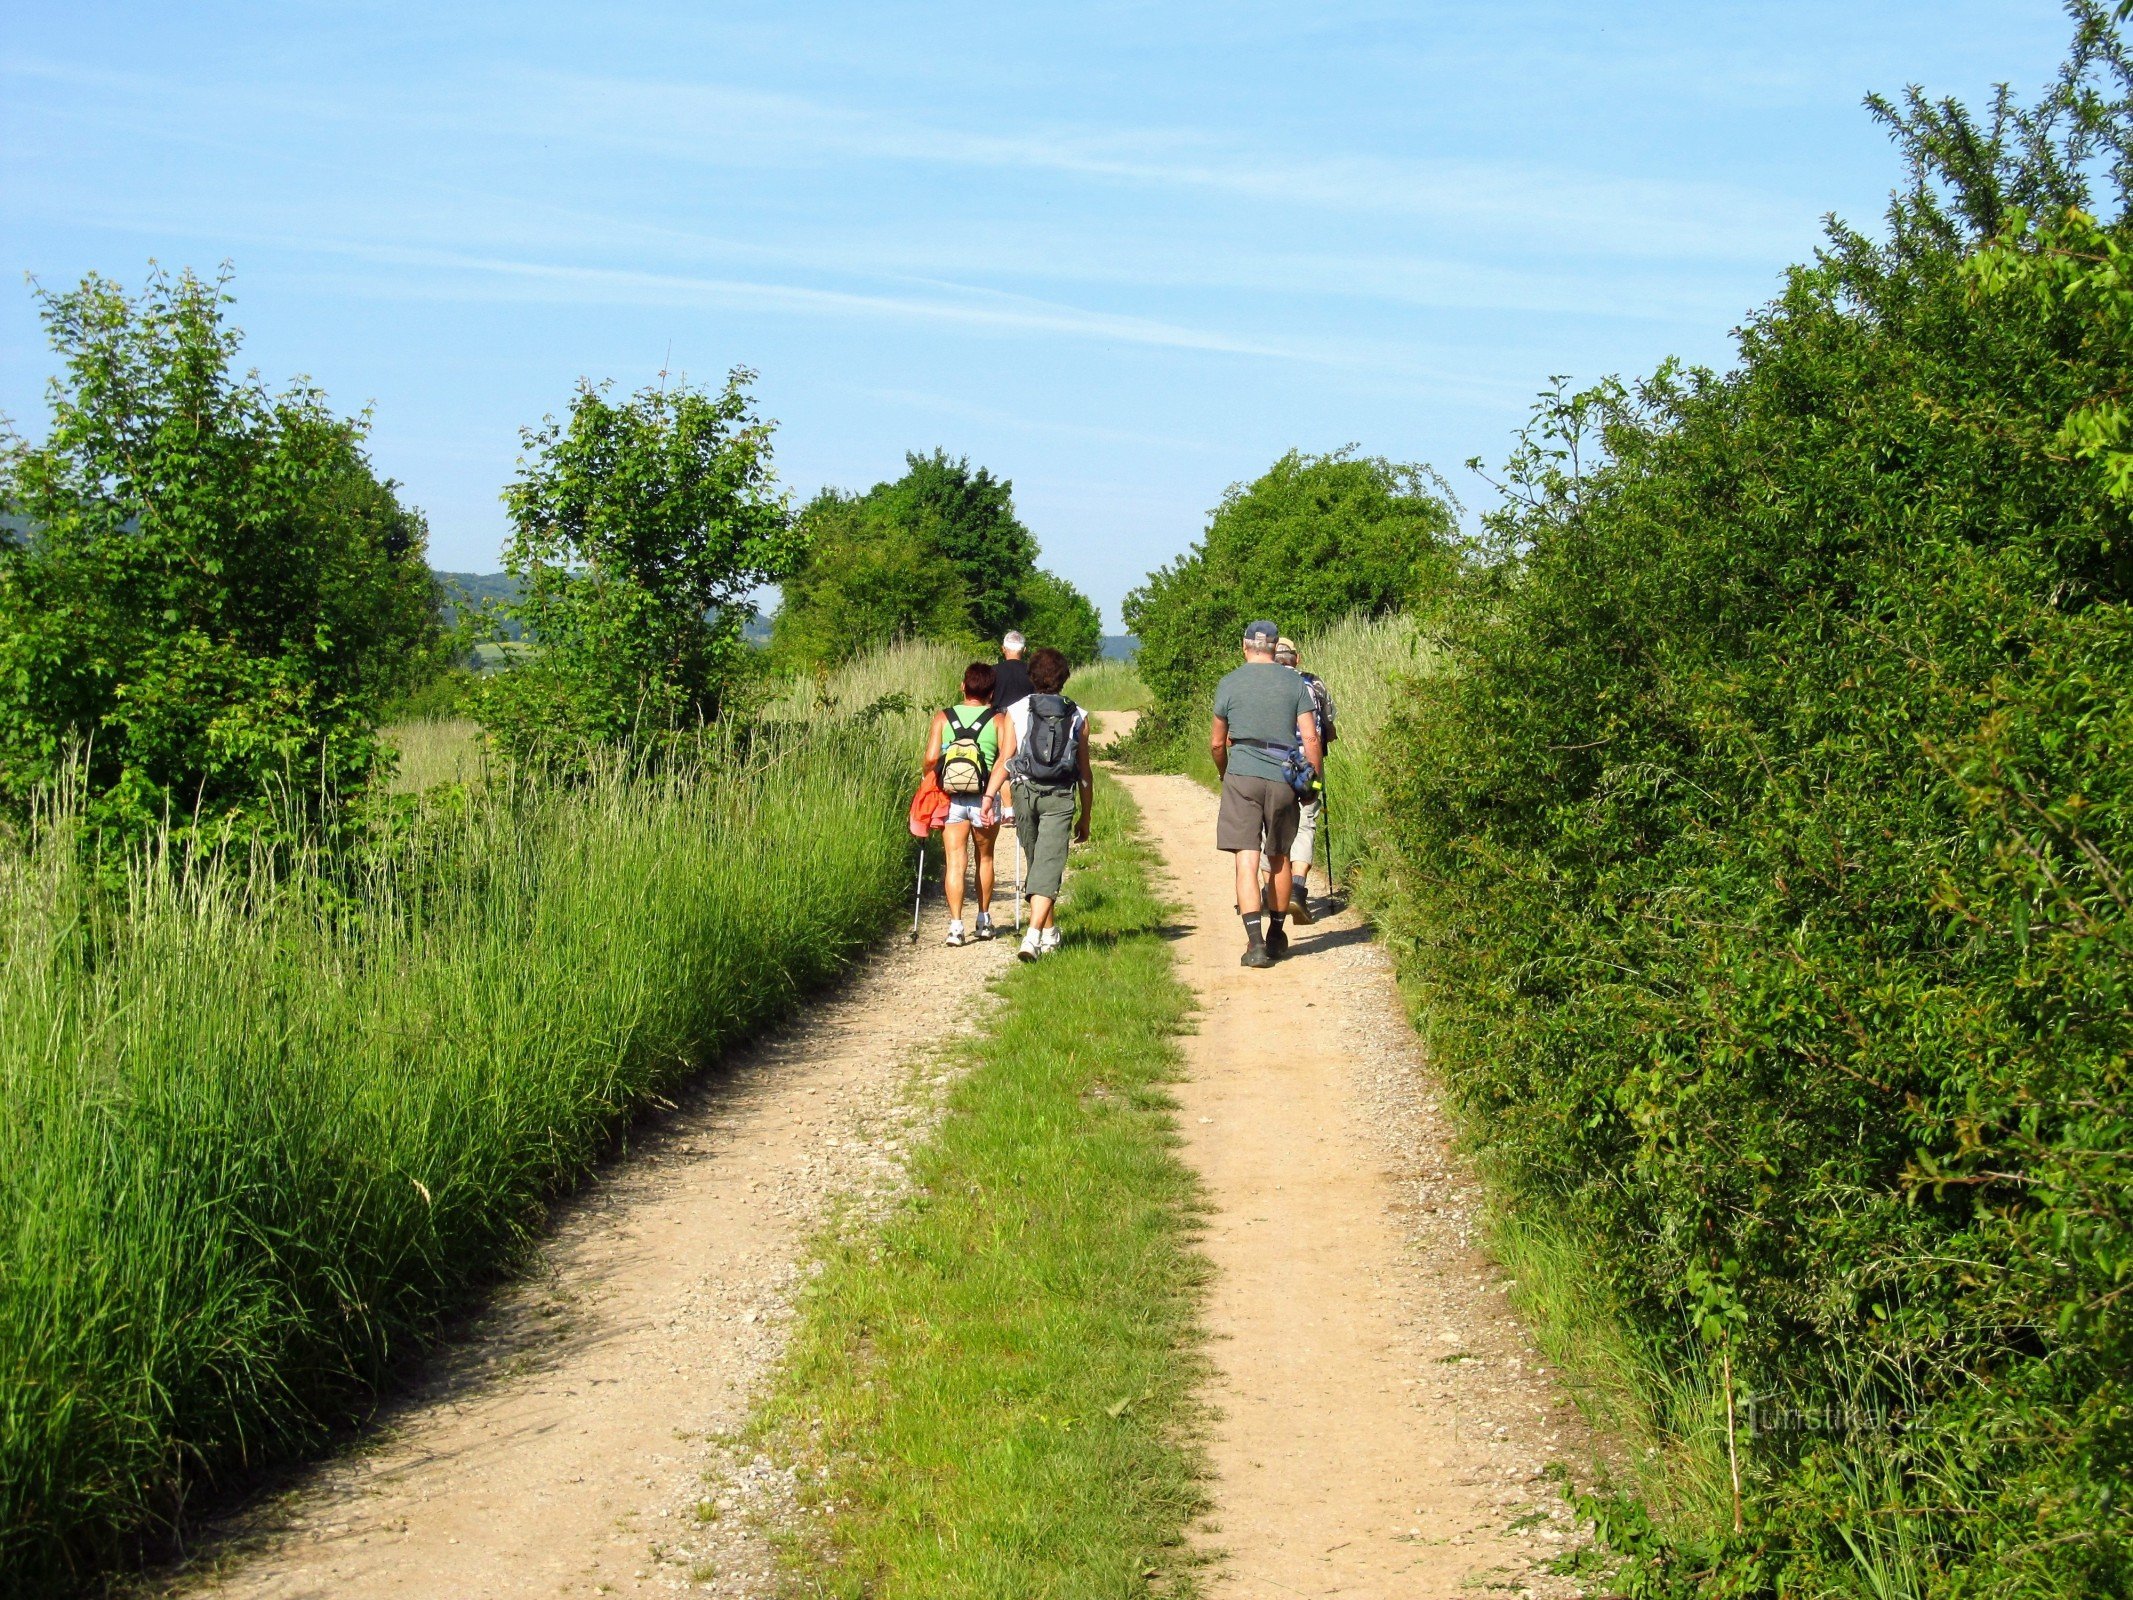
1010 681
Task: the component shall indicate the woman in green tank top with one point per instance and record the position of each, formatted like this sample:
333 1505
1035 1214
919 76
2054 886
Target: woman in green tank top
962 747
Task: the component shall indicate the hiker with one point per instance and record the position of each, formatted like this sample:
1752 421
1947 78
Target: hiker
1045 753
1010 677
962 750
1263 730
1287 655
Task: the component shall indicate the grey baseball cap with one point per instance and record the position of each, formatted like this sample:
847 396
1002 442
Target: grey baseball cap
1261 635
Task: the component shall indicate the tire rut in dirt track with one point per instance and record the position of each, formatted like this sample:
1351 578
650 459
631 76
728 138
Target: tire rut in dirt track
1383 1418
563 1448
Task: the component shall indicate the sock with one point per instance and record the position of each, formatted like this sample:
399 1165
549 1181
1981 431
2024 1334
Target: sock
1251 929
1273 919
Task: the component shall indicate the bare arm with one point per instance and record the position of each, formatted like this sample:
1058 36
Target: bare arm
1218 745
999 765
933 739
1307 731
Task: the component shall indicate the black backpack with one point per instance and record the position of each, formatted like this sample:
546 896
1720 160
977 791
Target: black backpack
1047 758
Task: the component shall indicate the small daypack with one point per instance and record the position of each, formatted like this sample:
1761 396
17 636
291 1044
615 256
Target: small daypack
1321 709
963 768
1046 758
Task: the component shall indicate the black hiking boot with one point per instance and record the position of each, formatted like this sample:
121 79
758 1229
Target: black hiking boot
1277 943
1255 956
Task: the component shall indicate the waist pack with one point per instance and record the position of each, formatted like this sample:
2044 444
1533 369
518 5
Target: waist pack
1047 757
1296 768
963 768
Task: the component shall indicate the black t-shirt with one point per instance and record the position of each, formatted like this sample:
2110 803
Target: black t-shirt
1010 683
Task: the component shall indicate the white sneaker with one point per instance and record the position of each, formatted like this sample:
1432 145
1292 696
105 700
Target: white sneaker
1032 946
1051 940
955 935
985 929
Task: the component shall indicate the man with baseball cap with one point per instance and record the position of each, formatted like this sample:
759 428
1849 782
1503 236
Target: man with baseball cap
1262 713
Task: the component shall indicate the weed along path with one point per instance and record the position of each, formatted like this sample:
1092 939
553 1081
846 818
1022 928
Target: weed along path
1383 1423
565 1447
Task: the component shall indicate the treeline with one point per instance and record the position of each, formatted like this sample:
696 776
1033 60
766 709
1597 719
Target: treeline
1756 832
210 599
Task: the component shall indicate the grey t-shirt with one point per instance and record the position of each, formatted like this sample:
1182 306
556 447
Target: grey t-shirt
1261 700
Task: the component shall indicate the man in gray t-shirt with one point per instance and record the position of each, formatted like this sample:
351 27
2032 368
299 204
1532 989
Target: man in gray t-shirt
1261 711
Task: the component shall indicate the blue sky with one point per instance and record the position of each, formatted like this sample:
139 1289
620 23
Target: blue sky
1122 254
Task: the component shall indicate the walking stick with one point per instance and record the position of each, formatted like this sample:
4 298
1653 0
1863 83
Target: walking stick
1018 880
918 897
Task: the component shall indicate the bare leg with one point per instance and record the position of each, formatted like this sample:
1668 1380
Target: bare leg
1280 881
955 838
1250 899
1040 911
986 838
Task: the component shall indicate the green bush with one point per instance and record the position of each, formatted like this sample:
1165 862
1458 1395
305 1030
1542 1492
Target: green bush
868 579
1059 616
1315 539
214 595
260 1133
1762 862
938 554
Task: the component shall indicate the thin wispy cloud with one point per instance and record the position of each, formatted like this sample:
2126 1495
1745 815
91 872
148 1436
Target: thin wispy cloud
550 280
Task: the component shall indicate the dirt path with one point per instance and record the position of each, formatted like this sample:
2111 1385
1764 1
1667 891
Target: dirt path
565 1448
1384 1422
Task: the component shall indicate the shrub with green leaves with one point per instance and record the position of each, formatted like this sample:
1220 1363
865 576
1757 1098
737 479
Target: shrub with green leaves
1763 861
1058 616
1313 540
639 530
868 578
209 594
937 554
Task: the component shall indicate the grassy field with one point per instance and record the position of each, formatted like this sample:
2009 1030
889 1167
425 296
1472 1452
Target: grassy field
1107 686
261 1129
997 1382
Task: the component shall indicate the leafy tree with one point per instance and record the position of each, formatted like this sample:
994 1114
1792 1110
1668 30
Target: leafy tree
870 576
1314 539
968 515
211 592
886 562
1057 614
639 531
1765 856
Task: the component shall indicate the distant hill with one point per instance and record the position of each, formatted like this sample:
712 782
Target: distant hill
480 587
1121 647
501 587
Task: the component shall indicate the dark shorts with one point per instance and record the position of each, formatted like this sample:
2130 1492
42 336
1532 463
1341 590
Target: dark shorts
1256 809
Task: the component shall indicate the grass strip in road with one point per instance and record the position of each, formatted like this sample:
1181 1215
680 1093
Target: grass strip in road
996 1383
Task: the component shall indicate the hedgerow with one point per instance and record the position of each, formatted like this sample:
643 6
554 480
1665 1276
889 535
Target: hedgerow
1763 861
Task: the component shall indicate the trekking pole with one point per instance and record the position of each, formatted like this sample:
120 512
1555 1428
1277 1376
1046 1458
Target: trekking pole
1325 817
1018 880
918 897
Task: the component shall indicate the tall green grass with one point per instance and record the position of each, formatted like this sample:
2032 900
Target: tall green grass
1108 686
263 1126
1366 663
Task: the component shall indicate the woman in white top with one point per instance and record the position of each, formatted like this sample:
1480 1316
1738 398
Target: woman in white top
1044 750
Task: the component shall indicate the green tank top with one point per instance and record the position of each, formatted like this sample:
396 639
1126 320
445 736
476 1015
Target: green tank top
964 717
